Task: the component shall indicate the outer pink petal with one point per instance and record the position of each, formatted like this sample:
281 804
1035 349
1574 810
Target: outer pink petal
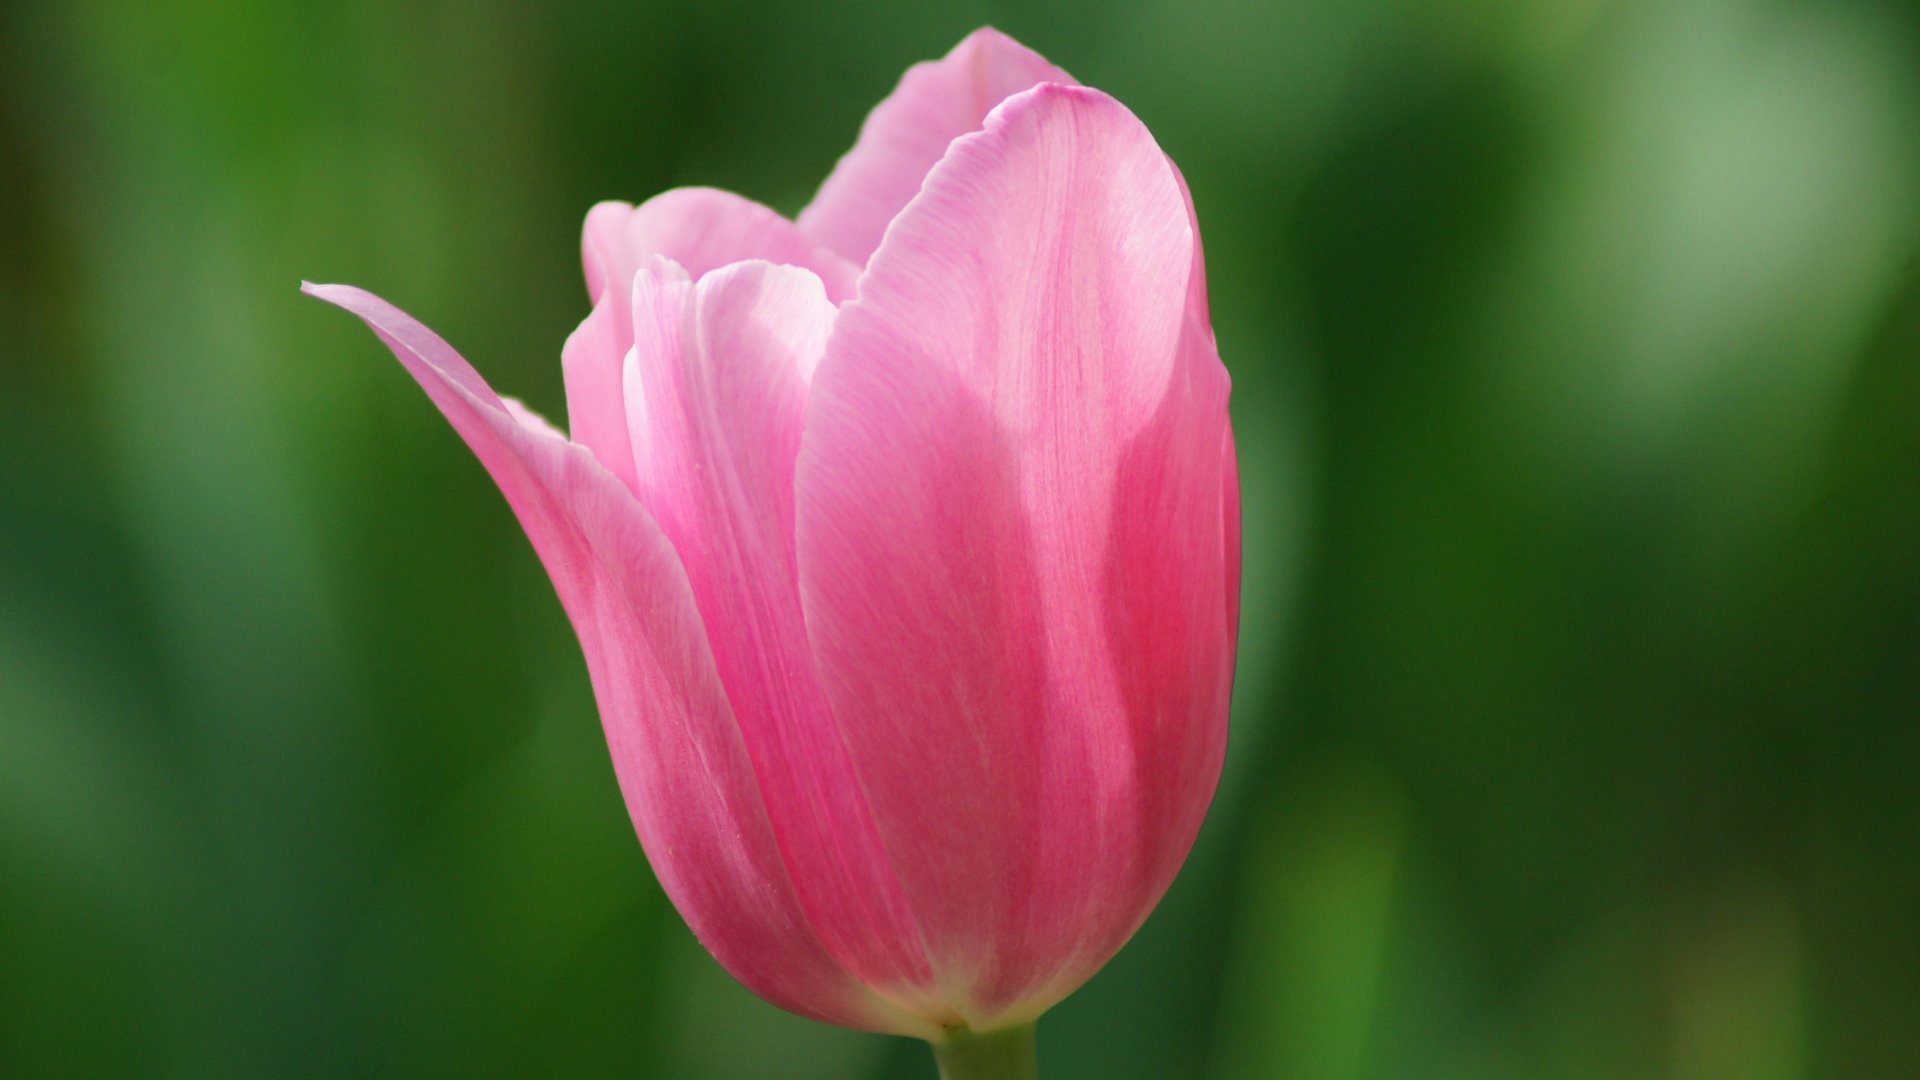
719 373
1197 306
1230 528
681 763
935 103
1012 550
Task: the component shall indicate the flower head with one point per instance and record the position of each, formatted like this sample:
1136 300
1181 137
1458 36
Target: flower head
902 542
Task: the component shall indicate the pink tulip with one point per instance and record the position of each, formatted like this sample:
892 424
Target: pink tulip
902 541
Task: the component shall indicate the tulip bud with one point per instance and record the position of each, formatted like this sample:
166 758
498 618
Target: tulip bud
902 541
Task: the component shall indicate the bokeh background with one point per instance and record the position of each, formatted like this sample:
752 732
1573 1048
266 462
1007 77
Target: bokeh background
1577 361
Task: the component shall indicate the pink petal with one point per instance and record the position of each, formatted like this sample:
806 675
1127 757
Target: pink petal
604 252
681 762
935 103
1012 550
704 229
719 373
594 353
1197 283
1230 528
701 229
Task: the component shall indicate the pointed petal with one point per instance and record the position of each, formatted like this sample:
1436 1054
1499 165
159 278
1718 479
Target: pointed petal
682 766
719 372
1010 547
935 103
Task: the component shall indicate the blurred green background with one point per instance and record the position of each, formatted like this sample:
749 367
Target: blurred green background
1577 361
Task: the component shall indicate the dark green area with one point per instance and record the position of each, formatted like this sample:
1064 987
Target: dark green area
1577 362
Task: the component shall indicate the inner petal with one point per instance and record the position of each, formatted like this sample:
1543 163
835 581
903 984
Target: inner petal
702 229
717 385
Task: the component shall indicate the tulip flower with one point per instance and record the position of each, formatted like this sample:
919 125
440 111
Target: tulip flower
902 541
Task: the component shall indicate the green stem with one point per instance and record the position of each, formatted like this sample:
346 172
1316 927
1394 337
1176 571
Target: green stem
992 1055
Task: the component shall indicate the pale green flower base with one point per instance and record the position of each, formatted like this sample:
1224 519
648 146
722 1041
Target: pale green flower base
996 1055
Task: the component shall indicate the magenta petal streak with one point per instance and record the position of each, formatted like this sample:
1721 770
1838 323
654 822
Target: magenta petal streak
902 542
